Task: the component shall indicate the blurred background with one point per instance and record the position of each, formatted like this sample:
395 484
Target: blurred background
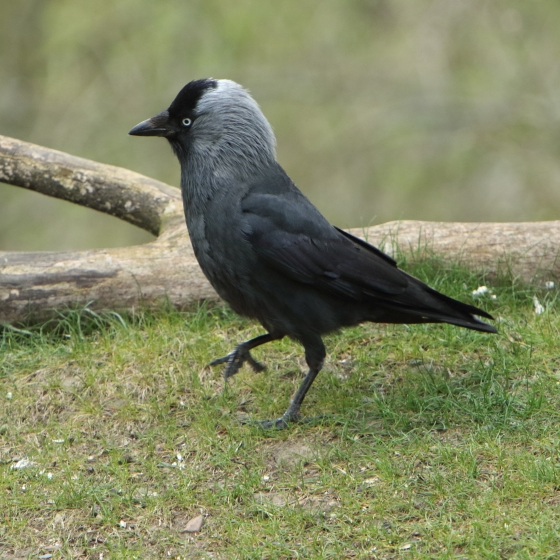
383 109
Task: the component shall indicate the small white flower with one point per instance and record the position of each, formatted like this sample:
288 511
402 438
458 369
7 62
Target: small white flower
549 285
539 309
9 395
480 291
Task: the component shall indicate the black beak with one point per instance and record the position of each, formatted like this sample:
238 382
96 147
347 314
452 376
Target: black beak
156 126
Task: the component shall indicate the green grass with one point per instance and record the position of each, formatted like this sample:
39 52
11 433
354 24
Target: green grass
438 442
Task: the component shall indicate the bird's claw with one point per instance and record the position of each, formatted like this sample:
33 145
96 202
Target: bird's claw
284 421
235 360
278 424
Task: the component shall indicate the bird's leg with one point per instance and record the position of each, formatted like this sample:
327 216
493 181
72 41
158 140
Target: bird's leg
292 412
242 354
314 356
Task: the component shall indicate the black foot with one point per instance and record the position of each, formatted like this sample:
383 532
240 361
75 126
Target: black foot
235 360
278 424
283 422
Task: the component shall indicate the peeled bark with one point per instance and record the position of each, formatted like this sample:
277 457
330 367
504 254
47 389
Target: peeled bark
36 285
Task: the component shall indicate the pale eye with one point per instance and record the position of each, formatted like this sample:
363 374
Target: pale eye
186 122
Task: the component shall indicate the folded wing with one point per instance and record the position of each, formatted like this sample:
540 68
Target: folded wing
303 246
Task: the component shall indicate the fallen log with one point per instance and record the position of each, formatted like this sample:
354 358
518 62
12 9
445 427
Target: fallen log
33 285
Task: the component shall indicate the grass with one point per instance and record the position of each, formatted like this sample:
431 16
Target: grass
438 442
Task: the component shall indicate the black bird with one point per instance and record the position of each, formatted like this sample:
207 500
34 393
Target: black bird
267 250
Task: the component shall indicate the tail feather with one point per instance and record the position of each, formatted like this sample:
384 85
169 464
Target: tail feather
463 314
469 322
422 304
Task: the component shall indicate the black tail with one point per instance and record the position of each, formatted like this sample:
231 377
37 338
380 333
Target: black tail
442 308
422 304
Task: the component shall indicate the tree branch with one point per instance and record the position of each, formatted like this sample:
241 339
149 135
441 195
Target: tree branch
136 199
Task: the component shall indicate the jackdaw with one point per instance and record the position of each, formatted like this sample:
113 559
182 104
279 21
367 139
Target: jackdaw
267 250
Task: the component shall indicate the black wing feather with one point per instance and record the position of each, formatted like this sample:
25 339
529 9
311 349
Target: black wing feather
312 251
288 234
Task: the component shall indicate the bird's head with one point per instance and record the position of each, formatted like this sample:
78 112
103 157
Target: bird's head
215 123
